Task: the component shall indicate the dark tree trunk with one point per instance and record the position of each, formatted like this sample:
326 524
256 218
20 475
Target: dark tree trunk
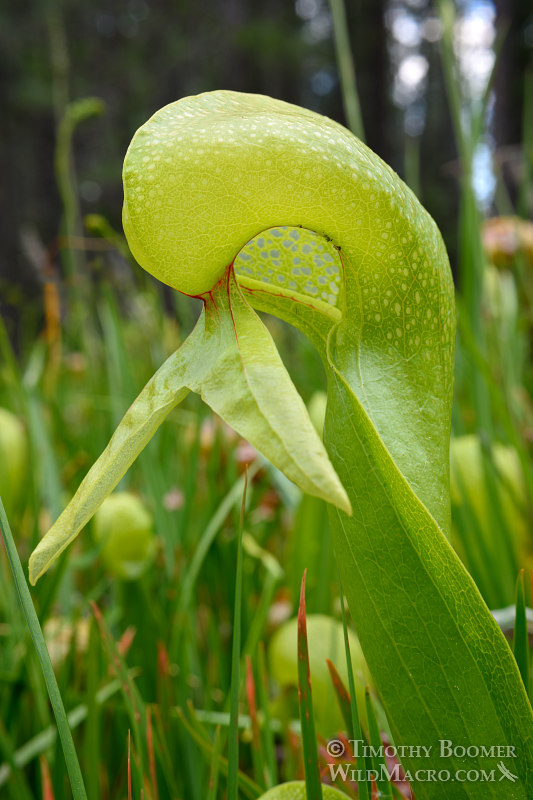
514 19
369 45
440 169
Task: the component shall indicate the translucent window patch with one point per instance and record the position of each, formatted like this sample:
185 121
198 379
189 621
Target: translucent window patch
296 258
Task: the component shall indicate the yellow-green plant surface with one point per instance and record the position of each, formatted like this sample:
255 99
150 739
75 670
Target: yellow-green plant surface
325 636
295 790
468 486
338 246
124 528
13 458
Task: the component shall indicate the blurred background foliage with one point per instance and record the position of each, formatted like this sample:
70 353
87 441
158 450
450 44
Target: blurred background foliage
137 56
446 96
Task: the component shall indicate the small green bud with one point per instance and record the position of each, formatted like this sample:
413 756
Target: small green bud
325 637
124 528
295 790
13 459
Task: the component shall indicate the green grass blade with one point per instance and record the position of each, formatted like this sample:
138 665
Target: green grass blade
247 786
46 738
510 425
345 63
356 730
233 746
67 742
274 574
256 743
20 788
215 767
132 698
520 638
151 754
342 695
312 773
347 710
378 759
92 738
268 736
208 536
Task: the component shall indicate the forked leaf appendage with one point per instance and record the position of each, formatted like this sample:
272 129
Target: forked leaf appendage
162 393
231 361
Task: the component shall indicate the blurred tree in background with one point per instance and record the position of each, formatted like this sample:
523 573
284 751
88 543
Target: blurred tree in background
513 95
137 56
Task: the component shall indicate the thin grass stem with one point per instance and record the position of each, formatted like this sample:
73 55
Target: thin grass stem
67 742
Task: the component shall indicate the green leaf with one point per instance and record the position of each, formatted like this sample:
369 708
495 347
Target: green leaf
441 665
63 727
211 175
521 636
160 395
240 376
232 791
310 751
231 361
